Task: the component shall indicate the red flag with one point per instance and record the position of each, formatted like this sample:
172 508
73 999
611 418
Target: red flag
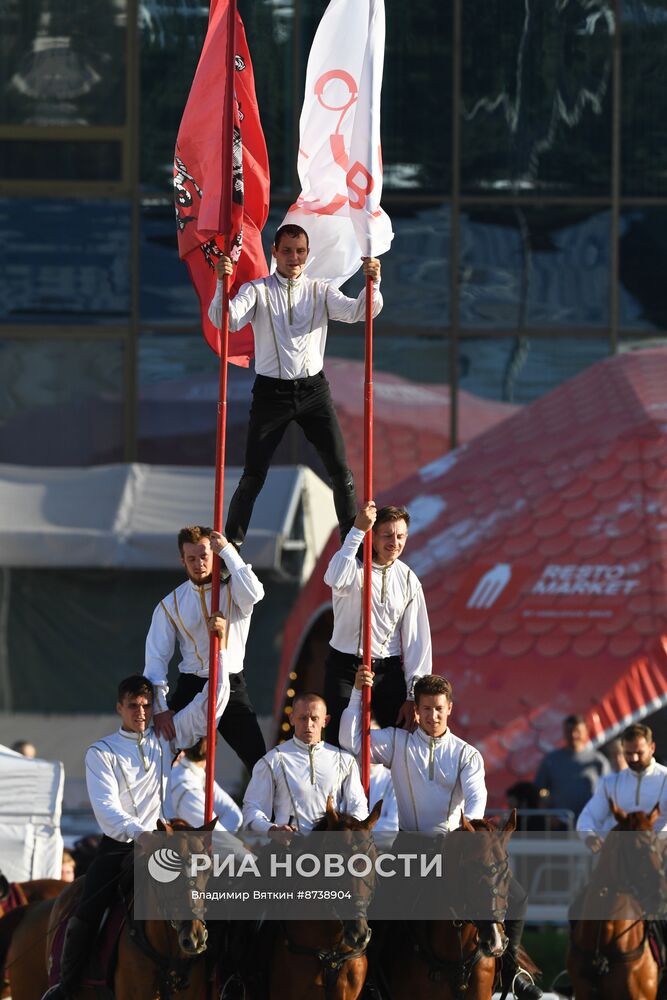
198 171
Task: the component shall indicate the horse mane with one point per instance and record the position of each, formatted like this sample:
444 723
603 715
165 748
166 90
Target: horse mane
483 824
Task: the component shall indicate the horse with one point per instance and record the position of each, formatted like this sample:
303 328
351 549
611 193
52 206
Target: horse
309 956
448 958
18 901
612 956
155 958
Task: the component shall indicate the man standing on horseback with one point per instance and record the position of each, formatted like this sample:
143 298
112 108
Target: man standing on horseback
126 776
184 616
400 632
438 778
641 786
290 785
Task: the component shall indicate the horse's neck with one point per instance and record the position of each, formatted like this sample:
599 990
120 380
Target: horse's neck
449 942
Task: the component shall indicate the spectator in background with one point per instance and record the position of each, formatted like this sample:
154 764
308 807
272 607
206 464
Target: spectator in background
25 748
567 777
68 867
614 754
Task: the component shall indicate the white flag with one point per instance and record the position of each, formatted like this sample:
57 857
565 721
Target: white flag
340 158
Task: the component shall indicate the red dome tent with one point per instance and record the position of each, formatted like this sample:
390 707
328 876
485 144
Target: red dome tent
542 548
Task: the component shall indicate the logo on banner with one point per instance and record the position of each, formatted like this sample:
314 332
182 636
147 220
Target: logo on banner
490 586
165 865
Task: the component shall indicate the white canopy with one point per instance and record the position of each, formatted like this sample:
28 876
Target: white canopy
128 516
31 793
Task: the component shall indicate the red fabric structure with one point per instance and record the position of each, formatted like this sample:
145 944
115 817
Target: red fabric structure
542 548
198 173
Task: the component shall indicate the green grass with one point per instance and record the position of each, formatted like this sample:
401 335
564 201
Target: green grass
547 947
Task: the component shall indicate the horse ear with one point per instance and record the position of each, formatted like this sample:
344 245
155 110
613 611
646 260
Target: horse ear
164 827
654 813
373 817
510 825
466 825
332 815
618 814
207 827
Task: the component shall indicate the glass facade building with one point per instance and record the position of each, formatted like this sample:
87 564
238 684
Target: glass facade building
525 156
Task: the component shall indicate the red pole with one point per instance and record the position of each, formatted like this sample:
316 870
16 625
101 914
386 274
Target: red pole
221 429
368 540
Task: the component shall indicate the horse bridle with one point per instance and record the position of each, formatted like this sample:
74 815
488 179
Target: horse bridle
331 960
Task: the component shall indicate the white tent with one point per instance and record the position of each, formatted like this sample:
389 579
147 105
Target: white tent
31 793
127 516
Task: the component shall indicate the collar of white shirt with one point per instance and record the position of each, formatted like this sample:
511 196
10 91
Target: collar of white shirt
425 738
294 282
307 746
134 737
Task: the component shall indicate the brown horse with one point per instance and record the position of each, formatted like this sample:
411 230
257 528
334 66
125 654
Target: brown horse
18 902
325 958
445 959
611 956
156 958
25 968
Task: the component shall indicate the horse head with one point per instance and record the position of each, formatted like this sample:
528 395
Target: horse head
192 934
636 864
487 878
356 838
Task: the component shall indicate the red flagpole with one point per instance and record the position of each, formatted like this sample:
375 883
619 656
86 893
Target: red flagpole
368 540
221 431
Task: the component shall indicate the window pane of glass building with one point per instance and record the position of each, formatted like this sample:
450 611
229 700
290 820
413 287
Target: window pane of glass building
521 369
61 402
642 257
69 260
536 97
534 267
644 98
62 63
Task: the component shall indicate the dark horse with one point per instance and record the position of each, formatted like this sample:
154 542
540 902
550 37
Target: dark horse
156 958
611 957
311 956
446 959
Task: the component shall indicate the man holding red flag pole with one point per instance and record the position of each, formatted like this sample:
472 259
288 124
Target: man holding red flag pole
340 168
221 188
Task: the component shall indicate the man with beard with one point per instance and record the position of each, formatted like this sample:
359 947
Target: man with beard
185 616
638 788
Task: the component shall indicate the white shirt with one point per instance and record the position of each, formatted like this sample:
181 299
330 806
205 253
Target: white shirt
186 796
292 783
289 319
382 787
126 773
631 791
436 779
182 616
399 619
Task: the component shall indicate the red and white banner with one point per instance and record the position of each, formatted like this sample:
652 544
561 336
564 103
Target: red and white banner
198 174
340 156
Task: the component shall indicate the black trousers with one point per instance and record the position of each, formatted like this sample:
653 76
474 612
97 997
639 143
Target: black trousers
276 403
101 880
238 724
388 693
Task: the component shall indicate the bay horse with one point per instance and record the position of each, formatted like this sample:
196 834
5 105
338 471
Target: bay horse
447 959
612 956
16 903
326 958
160 958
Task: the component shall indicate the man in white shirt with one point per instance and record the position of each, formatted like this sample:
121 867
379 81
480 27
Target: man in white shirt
636 789
290 785
400 631
184 616
438 778
289 313
126 777
187 787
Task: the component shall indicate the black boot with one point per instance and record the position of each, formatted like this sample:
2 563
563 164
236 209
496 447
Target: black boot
515 979
79 938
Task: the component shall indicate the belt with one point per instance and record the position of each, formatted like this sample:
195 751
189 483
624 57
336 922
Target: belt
291 382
